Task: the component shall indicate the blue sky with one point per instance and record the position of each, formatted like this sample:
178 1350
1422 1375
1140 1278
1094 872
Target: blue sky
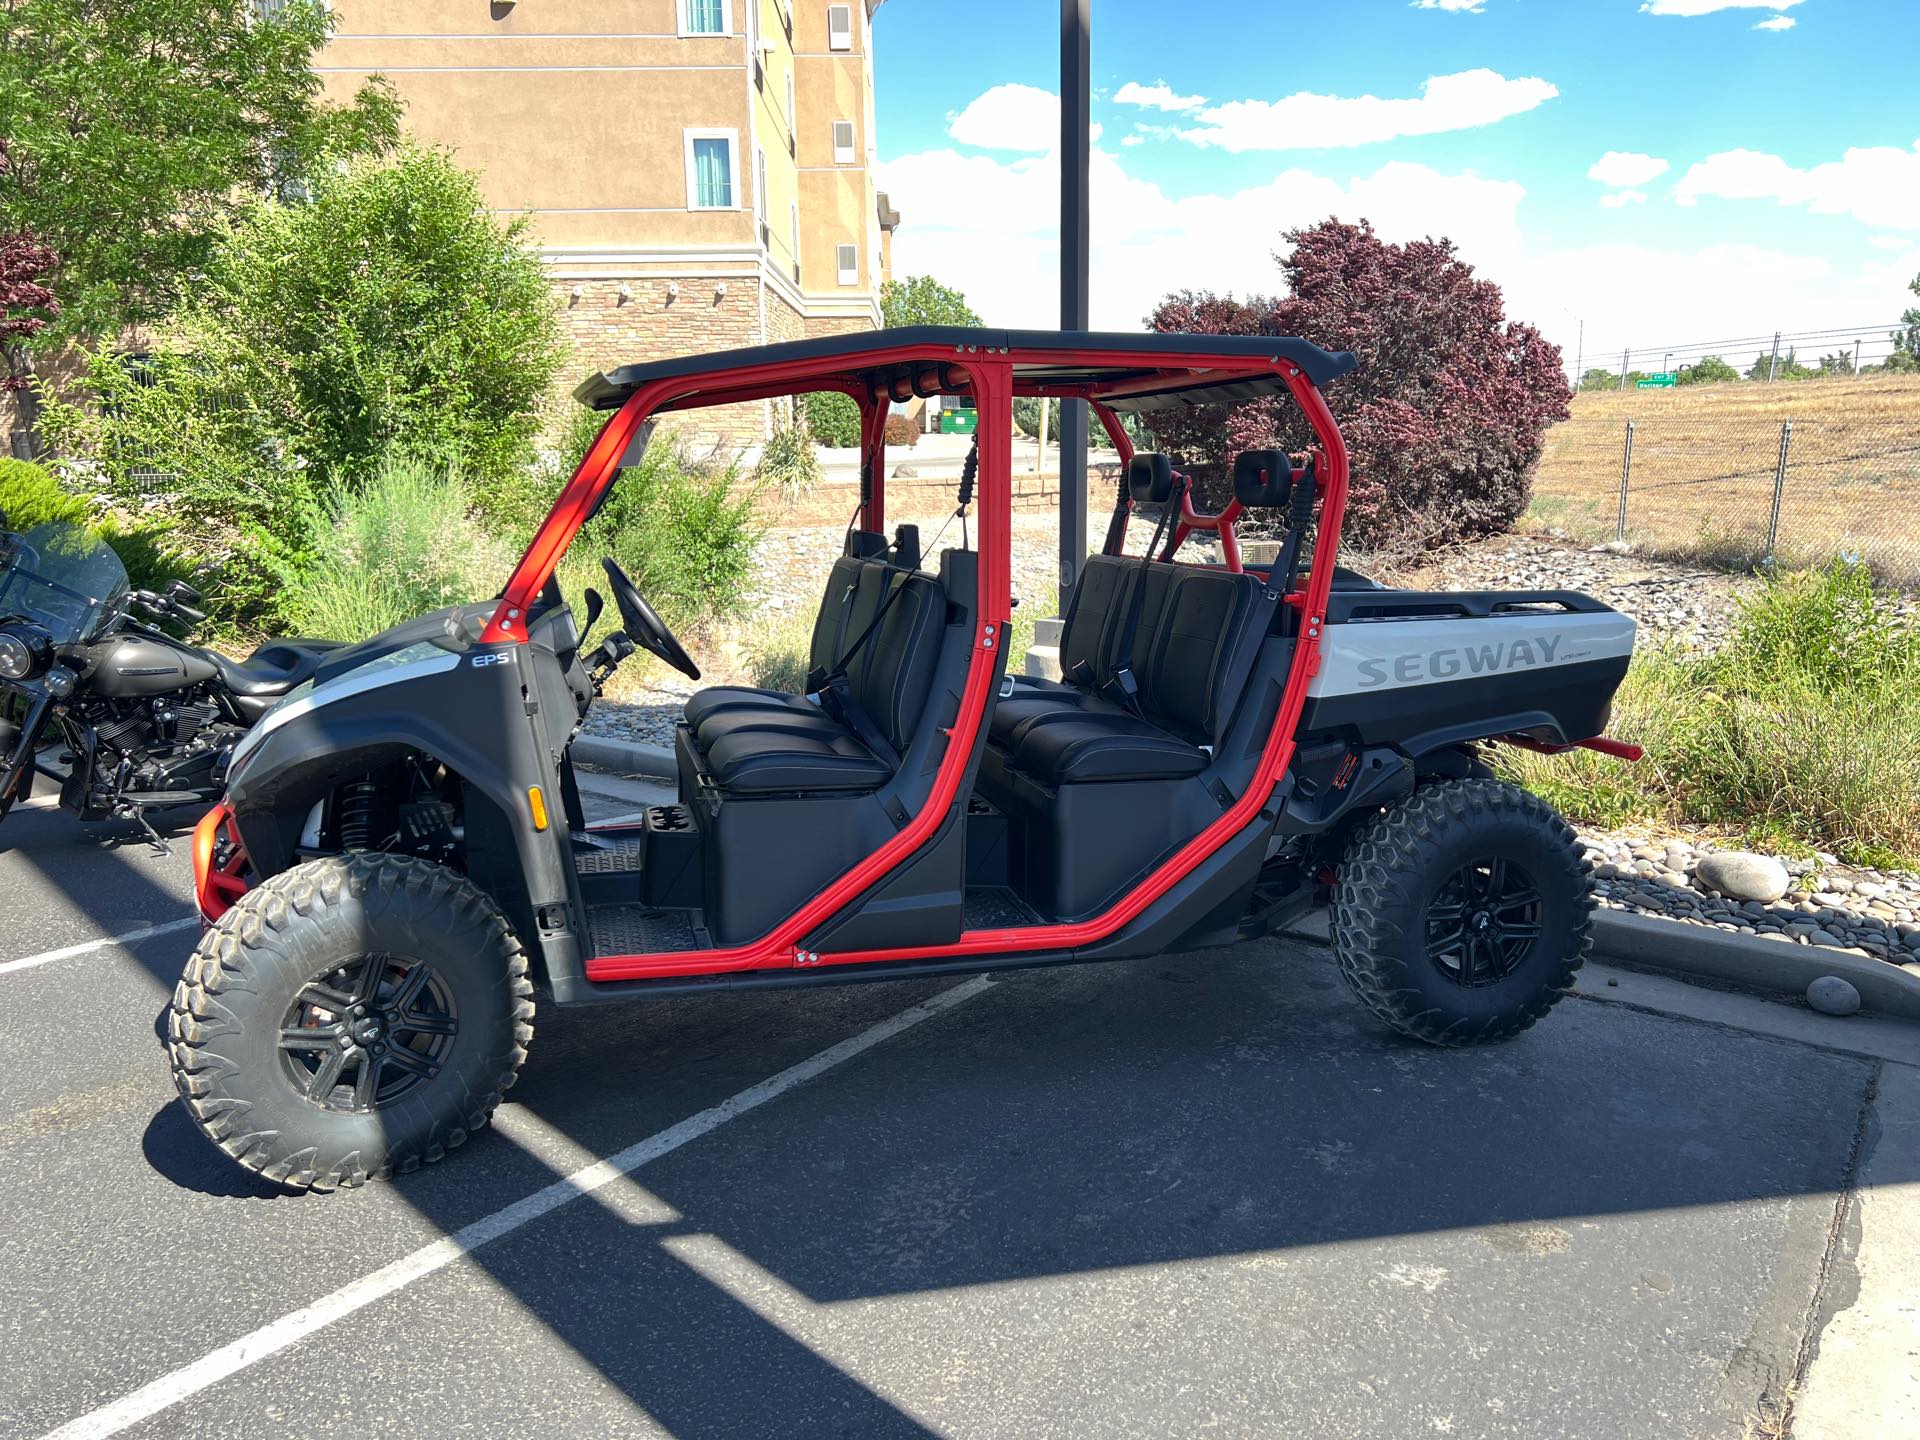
1663 170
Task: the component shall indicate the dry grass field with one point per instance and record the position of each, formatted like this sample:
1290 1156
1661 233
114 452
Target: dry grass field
1704 459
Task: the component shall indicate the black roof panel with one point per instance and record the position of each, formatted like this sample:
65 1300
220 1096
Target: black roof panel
606 391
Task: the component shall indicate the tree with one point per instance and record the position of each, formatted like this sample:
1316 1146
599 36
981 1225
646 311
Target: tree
1205 438
1786 367
1837 364
1905 356
135 128
1448 410
390 312
26 305
923 300
1597 378
1713 370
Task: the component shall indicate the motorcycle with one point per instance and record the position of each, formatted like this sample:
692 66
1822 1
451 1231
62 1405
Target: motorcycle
122 715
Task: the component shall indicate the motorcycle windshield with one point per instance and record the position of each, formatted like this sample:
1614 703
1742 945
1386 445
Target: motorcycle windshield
62 577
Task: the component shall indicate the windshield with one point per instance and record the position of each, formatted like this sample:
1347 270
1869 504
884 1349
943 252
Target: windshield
61 576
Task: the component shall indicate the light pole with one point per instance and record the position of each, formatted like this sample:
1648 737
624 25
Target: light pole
1076 231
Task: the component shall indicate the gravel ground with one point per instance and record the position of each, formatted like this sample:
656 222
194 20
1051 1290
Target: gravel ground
1871 912
1671 602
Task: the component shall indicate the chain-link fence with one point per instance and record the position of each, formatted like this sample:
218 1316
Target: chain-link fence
1743 474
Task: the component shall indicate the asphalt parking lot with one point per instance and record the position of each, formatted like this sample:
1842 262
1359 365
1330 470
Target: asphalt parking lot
1199 1194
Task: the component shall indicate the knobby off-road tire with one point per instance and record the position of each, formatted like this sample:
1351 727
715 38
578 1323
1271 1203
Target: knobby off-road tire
248 1033
1471 848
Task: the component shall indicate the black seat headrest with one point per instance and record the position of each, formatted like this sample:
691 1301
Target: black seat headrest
1149 478
1262 478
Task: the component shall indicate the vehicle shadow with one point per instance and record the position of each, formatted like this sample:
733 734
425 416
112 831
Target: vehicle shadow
108 873
1082 1120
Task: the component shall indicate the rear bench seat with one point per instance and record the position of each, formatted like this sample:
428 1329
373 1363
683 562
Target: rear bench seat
1190 656
754 742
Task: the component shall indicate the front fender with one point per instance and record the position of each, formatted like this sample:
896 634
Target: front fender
477 713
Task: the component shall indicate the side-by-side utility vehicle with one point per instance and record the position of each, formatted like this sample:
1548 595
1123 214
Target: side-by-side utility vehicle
400 859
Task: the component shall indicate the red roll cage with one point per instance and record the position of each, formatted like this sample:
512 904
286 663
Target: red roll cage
1111 373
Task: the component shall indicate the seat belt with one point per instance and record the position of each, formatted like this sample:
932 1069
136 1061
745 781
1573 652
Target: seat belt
1117 525
1130 632
1299 516
1279 582
844 707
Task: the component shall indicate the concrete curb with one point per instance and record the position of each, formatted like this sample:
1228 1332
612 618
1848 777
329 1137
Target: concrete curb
1775 966
624 757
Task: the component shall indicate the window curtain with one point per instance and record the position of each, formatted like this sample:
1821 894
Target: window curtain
703 17
713 184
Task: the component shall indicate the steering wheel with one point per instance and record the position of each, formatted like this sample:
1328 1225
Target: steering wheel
644 628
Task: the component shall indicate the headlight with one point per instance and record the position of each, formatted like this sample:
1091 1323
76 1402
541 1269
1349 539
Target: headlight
25 651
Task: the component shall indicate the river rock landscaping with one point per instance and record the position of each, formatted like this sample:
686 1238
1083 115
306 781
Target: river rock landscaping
1865 911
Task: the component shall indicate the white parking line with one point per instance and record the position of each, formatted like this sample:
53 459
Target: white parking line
87 947
190 1380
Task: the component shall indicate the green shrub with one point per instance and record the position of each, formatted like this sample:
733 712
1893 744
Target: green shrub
683 528
402 545
1799 733
389 311
788 461
779 656
1828 628
514 505
833 418
1026 418
29 496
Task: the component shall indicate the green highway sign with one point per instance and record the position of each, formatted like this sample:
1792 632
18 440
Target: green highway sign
1662 380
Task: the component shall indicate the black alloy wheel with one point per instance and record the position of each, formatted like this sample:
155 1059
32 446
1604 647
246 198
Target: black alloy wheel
1461 912
1483 921
363 1036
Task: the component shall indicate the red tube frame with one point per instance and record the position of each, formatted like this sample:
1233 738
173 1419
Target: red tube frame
1606 745
1190 519
780 947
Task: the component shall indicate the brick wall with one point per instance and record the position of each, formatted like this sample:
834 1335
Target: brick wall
57 374
607 332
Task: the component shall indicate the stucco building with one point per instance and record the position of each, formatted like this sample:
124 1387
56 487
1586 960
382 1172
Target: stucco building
699 172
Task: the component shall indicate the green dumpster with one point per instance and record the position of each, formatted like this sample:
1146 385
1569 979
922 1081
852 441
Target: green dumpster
959 422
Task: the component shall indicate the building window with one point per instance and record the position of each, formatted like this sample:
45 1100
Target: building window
791 128
705 17
710 166
848 259
839 27
843 142
761 209
793 233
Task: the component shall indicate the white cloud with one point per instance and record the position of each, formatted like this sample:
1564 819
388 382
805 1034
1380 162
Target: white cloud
1471 7
1623 197
987 224
1134 139
1157 96
1891 242
1778 22
1709 7
1876 185
1009 117
1309 121
1625 167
